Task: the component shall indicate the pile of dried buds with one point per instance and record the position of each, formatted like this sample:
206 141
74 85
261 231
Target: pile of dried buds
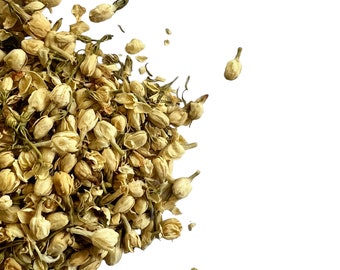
86 153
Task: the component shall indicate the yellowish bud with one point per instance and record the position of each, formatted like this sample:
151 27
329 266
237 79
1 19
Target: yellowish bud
6 159
120 122
59 243
5 202
43 187
182 186
233 67
158 118
136 139
8 181
16 59
124 204
39 99
171 228
65 142
32 46
63 183
89 64
134 46
58 220
11 264
42 126
61 95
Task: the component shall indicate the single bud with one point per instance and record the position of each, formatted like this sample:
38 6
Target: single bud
67 162
137 88
11 264
233 67
43 187
68 123
136 188
161 168
58 220
6 159
114 256
59 243
65 142
141 221
103 238
31 7
61 95
136 139
42 126
173 150
14 231
8 181
87 119
83 172
27 160
63 183
158 143
178 117
124 204
89 64
39 226
102 13
158 118
38 26
6 84
5 202
10 215
131 239
171 228
32 46
195 109
112 159
79 257
107 131
140 206
39 99
182 186
120 122
134 46
16 59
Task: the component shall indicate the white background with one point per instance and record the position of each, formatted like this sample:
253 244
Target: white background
268 144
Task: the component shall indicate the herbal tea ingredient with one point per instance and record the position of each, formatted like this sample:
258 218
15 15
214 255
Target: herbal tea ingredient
233 67
86 152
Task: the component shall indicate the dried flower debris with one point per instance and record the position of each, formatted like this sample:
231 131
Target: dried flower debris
86 152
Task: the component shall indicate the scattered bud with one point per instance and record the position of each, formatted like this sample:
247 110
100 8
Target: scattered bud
134 46
233 67
171 228
16 59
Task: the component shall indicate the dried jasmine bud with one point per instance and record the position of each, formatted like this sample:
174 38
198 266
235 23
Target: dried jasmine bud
134 46
16 59
171 228
182 186
233 67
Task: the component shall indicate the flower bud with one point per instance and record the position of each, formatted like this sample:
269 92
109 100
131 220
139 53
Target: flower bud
171 228
39 99
137 88
6 84
140 206
11 264
67 162
32 46
141 221
173 150
5 202
182 186
89 64
102 13
8 181
113 256
33 6
65 142
14 231
42 126
124 204
61 95
39 226
38 26
134 46
233 67
63 183
178 117
136 188
87 119
43 187
161 168
158 118
58 244
83 172
58 220
103 238
16 59
6 159
112 159
135 140
9 215
27 160
120 122
107 131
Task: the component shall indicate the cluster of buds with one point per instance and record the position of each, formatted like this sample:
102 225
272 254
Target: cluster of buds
86 152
